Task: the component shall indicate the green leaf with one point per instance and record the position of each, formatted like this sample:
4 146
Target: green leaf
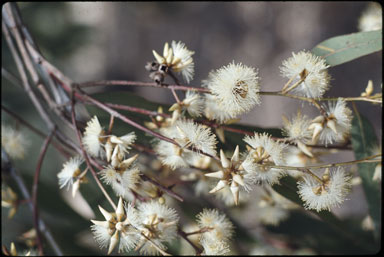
341 49
363 140
288 189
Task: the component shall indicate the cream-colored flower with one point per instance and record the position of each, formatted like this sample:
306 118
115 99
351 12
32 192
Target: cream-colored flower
328 193
93 137
123 177
372 18
214 111
297 131
263 152
13 142
214 247
189 136
231 175
70 171
159 224
235 88
311 70
219 226
119 228
335 126
178 58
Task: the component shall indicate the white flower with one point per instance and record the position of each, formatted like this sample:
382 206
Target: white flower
193 103
185 65
70 171
264 151
93 136
158 223
221 229
118 227
124 142
197 136
309 68
178 58
13 142
214 247
336 126
372 18
214 111
188 135
297 130
271 207
235 88
330 192
117 147
231 175
122 178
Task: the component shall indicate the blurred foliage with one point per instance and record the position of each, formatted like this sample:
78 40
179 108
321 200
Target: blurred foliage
53 29
364 140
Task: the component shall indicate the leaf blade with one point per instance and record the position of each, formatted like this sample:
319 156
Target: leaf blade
345 48
363 139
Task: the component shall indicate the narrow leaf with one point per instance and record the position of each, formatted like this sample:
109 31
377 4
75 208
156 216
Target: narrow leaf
341 49
363 140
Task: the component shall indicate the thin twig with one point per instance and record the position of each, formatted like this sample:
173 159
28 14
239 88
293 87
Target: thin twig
8 167
368 159
84 153
163 188
34 190
184 235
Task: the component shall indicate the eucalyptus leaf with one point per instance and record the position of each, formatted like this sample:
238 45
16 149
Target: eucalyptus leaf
288 188
363 140
341 49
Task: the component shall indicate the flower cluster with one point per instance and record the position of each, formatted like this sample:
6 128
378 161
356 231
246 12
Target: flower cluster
219 231
13 142
308 73
178 58
327 192
234 91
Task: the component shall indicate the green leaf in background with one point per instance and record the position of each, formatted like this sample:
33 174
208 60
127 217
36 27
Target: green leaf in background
340 230
341 49
363 140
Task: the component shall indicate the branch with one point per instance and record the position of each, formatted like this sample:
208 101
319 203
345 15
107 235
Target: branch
35 187
8 167
84 153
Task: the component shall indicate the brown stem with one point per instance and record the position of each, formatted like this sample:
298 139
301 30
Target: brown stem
142 84
161 187
184 235
84 153
34 191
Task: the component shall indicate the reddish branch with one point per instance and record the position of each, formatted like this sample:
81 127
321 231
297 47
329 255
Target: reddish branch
34 191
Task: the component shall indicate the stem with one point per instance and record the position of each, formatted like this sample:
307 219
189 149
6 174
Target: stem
207 91
7 166
293 86
34 191
163 188
185 237
86 155
142 84
330 165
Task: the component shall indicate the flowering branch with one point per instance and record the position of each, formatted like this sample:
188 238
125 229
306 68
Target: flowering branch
368 159
8 167
373 99
84 153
